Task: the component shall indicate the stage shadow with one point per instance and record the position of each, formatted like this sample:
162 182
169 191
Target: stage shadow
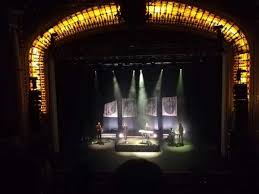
20 170
80 179
138 176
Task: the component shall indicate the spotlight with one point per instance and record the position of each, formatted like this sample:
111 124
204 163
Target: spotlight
155 135
121 135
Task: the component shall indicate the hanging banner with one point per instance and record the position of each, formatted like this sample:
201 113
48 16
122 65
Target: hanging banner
110 109
169 106
128 107
151 107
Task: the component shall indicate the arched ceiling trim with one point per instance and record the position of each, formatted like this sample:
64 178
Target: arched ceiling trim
160 12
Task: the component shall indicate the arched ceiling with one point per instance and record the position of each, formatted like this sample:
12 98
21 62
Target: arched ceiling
161 12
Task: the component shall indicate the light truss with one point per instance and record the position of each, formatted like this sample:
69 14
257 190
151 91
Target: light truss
135 61
161 12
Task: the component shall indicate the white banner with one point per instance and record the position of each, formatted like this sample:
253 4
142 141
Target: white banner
169 106
128 107
110 109
151 107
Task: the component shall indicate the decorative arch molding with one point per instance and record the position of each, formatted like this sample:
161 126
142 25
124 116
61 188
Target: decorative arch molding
160 12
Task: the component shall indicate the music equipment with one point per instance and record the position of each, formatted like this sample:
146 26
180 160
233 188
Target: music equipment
146 131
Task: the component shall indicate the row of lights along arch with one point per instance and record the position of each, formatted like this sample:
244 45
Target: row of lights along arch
161 12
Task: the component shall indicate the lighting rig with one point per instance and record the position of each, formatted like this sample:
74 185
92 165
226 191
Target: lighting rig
137 62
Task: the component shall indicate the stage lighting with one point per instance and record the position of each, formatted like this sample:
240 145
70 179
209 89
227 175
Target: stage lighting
239 74
132 91
116 88
142 101
121 135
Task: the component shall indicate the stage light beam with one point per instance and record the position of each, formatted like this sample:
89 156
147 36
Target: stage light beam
180 83
180 96
116 88
142 102
157 89
132 91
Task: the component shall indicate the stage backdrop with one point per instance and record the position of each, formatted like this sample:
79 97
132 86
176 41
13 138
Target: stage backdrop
169 112
151 107
151 113
110 116
169 106
128 107
129 112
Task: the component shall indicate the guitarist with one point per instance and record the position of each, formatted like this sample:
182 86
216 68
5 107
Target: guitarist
125 131
99 131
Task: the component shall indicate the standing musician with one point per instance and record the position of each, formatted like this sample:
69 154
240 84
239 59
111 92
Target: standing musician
99 131
180 134
171 137
125 131
147 128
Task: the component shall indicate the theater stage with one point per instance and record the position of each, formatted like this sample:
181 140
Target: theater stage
137 144
105 158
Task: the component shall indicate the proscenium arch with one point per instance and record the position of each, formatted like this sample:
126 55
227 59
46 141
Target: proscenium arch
161 12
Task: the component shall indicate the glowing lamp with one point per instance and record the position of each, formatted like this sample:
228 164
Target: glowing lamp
121 135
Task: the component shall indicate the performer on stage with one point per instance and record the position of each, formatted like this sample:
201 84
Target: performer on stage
147 126
125 131
180 134
171 137
146 132
99 132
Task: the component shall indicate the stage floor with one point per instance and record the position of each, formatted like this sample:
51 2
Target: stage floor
136 141
137 144
104 158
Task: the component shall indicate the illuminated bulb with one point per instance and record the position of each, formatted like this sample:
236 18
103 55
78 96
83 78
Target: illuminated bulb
155 135
121 135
